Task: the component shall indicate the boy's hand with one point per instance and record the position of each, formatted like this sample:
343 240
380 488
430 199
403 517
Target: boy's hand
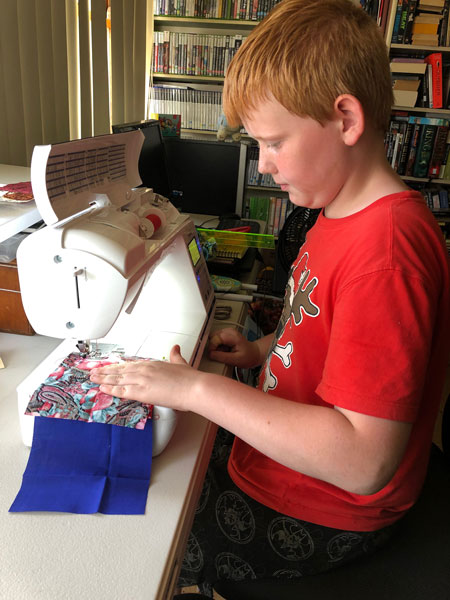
152 382
232 348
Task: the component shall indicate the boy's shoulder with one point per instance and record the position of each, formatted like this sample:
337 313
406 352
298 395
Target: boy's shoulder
395 230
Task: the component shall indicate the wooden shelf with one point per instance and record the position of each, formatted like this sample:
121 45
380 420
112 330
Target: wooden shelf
179 77
423 109
258 188
206 22
411 49
199 131
211 132
425 180
418 179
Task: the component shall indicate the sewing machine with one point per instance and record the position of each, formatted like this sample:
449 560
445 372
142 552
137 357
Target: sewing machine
116 271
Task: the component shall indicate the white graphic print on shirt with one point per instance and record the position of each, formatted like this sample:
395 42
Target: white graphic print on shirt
297 302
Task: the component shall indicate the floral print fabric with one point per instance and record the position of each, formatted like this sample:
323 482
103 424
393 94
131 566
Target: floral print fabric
68 393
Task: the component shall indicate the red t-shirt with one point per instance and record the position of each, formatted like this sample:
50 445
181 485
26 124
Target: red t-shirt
365 327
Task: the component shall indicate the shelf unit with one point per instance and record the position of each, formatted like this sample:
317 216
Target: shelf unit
205 83
398 50
200 92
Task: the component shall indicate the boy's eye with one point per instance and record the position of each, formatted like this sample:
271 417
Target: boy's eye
273 145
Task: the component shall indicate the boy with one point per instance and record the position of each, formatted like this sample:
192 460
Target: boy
332 449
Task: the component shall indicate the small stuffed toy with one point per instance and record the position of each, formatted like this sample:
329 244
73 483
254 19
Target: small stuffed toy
224 130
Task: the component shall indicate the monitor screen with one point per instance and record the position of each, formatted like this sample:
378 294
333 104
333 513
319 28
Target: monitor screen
152 160
204 175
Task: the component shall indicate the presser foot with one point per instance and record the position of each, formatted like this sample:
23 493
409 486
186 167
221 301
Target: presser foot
99 350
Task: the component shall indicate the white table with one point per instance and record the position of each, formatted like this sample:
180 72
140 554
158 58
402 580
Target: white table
16 217
59 556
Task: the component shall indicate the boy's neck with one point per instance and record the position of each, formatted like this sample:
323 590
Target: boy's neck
370 178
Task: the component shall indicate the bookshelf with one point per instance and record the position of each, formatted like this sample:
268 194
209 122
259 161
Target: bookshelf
406 134
199 46
193 43
263 198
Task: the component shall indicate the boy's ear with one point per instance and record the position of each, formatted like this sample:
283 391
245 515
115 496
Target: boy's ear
350 115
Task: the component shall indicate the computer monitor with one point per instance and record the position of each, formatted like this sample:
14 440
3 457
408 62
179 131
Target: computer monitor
152 160
207 176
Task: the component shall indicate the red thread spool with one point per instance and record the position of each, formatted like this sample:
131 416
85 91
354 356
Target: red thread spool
155 220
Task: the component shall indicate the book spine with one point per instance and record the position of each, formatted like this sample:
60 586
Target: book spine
276 221
283 211
435 62
443 199
391 141
424 150
438 153
397 19
444 24
402 24
435 200
270 218
400 143
413 149
265 205
447 168
446 158
405 149
412 7
429 77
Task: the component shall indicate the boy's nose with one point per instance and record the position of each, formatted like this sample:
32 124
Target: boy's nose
265 165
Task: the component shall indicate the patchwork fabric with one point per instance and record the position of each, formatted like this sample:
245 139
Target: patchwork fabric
67 393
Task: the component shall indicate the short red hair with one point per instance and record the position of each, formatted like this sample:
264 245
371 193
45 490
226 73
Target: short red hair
305 54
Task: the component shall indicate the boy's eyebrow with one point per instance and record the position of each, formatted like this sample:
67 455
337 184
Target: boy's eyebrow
268 138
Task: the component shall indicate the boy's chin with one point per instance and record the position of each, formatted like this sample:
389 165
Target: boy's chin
305 201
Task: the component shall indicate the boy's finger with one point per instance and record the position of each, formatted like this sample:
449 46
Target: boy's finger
215 341
176 357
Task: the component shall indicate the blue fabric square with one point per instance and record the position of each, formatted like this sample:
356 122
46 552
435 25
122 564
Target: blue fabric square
84 468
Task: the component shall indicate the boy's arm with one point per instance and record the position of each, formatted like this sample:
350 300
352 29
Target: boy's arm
353 451
356 452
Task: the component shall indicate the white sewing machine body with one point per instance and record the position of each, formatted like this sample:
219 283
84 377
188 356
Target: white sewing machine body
99 271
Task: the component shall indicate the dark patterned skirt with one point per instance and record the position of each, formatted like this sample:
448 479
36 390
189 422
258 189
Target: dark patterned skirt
235 537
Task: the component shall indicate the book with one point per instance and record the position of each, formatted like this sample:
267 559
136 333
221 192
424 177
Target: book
446 173
435 61
424 39
170 124
406 92
413 149
435 201
418 67
271 216
412 8
397 20
439 149
424 149
443 198
398 135
424 17
430 28
276 218
401 168
259 208
383 14
432 5
429 84
402 24
446 158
